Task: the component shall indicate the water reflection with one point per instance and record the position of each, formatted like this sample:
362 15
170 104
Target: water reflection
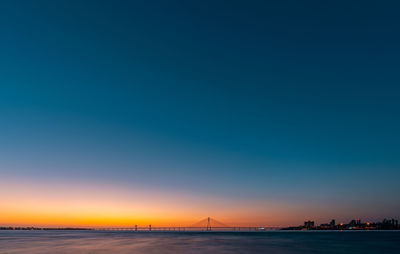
97 242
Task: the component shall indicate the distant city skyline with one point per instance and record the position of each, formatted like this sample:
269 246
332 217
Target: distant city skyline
259 113
211 224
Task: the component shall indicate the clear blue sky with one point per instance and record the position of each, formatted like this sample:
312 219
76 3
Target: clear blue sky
292 101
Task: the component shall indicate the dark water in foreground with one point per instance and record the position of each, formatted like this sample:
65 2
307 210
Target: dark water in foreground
96 242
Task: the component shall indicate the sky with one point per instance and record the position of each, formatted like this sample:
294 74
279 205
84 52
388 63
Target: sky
115 113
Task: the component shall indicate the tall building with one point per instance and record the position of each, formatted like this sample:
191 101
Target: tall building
355 222
309 224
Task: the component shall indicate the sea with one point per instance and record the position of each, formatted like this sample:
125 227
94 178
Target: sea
115 242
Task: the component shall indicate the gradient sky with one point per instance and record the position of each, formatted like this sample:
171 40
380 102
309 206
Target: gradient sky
166 112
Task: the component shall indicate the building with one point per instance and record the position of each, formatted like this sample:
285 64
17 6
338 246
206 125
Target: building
309 224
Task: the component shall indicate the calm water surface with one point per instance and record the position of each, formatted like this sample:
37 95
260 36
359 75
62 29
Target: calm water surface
96 242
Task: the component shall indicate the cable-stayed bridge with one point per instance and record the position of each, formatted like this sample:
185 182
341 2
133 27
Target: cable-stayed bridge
207 224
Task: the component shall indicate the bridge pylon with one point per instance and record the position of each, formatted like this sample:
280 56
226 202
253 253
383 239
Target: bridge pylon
208 228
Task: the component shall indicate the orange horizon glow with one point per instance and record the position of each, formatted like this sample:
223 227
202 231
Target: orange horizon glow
65 205
61 204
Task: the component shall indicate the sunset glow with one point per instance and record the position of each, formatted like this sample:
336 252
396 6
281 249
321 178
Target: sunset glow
123 113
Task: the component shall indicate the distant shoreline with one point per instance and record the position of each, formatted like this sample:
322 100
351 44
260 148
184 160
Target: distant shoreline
188 230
